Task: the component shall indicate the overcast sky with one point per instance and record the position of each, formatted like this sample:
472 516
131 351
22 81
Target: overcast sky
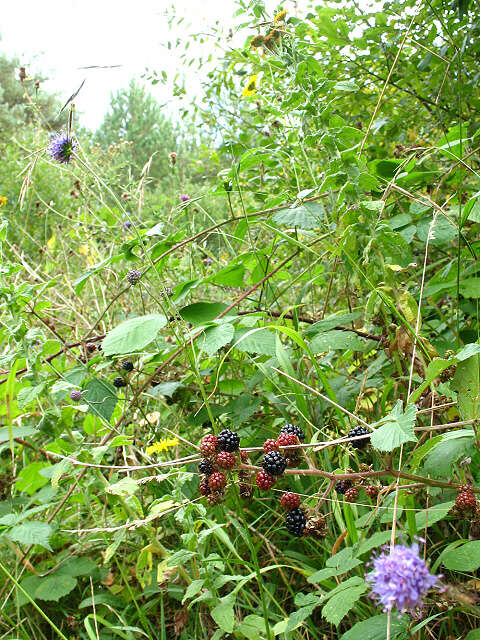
57 37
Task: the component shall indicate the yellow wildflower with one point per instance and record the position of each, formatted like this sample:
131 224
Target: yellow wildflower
161 445
280 16
251 87
3 201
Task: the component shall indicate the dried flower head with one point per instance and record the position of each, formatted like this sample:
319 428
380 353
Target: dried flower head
62 147
173 158
400 578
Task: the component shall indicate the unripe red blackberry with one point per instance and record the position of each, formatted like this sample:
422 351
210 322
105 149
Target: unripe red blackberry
264 481
76 395
287 439
225 460
214 498
465 488
206 467
292 428
296 522
208 445
228 440
119 382
290 500
274 463
270 445
351 494
371 491
217 481
342 486
465 500
204 488
244 456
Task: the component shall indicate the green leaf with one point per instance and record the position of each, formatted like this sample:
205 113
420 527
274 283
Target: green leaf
443 230
346 85
76 567
340 604
453 446
29 478
231 276
432 515
376 628
338 340
180 557
298 617
214 338
223 613
27 395
309 215
473 635
466 382
133 335
397 428
55 587
17 432
252 627
202 312
193 588
463 558
32 533
259 341
101 398
124 487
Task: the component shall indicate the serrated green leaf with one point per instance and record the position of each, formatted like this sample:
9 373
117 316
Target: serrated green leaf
202 312
340 604
466 382
133 335
223 613
32 533
338 340
397 428
101 398
376 628
463 558
55 587
214 338
309 215
432 515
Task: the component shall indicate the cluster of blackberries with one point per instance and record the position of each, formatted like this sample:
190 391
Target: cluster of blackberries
119 381
349 491
274 463
359 431
219 452
466 504
296 520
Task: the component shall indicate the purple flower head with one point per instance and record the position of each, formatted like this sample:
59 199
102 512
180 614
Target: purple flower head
127 224
76 395
62 148
184 197
400 578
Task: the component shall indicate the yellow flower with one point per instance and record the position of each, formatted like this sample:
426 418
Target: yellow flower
161 445
280 16
251 87
3 201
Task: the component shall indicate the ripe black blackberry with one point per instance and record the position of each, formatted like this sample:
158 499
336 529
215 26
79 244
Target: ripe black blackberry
228 440
127 365
119 382
342 486
296 522
274 463
359 431
292 428
206 467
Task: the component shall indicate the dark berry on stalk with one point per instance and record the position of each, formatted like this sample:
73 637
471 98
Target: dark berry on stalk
217 481
286 439
134 276
342 486
292 428
127 365
225 460
351 494
296 522
204 488
119 382
270 445
228 440
274 463
290 500
359 431
206 467
208 445
91 347
465 500
264 481
75 395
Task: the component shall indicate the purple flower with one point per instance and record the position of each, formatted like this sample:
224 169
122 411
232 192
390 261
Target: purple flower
62 148
127 224
134 276
76 395
400 578
184 197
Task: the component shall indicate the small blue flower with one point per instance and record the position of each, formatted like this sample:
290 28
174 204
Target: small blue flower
62 148
400 578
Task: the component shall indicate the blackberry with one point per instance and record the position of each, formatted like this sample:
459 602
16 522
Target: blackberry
292 428
206 467
465 500
127 365
296 522
316 527
204 488
91 347
228 440
274 463
225 460
214 498
290 500
217 481
371 491
75 395
119 382
270 445
342 486
351 494
264 481
359 431
244 456
134 276
208 445
286 439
